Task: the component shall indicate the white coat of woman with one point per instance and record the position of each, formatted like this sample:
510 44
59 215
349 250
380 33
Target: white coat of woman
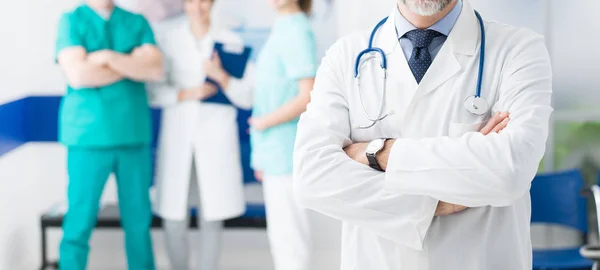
198 148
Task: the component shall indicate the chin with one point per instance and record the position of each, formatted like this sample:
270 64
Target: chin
426 7
105 3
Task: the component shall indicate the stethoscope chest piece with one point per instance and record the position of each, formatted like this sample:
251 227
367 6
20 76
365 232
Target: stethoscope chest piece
476 105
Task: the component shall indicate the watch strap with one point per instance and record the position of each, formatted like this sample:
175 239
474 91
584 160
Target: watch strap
372 158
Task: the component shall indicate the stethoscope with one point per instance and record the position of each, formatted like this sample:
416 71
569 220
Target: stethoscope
474 104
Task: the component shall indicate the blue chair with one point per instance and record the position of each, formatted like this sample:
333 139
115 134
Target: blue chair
556 199
592 252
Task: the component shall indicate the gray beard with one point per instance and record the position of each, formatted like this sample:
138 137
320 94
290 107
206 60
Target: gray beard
426 7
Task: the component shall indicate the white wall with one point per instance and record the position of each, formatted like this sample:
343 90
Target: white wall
574 39
356 15
524 13
29 29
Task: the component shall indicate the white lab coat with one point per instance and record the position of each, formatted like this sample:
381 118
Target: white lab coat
192 130
388 218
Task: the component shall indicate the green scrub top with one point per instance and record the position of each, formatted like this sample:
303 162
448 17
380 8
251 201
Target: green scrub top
287 56
113 115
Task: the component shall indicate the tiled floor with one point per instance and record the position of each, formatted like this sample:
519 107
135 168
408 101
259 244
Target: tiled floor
240 260
241 250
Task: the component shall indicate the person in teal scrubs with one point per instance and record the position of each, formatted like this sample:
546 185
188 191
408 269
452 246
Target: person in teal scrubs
285 71
106 54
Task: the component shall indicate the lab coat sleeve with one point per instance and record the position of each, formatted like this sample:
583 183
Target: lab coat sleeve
239 91
163 93
328 181
476 170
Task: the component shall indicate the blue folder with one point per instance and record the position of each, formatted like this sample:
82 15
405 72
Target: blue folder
235 64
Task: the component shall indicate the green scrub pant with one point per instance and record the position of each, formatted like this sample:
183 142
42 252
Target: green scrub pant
88 170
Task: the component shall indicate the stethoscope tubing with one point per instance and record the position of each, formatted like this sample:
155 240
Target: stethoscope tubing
383 65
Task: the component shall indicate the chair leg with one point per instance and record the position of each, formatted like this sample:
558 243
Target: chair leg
44 251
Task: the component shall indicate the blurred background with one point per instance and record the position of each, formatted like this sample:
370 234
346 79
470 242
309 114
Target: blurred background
32 165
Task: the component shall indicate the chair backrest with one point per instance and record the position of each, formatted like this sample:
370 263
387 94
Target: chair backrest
556 199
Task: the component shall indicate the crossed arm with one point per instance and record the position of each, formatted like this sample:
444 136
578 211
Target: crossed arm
357 151
473 170
84 70
328 181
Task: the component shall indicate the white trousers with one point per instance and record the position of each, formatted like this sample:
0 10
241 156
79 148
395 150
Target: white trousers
176 238
288 225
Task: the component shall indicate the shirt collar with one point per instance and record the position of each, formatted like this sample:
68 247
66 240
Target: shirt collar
111 15
443 26
104 14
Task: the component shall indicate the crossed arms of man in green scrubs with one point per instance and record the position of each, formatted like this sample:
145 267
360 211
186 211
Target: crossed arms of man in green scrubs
105 67
107 54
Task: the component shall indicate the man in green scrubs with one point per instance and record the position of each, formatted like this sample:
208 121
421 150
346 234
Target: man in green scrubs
107 54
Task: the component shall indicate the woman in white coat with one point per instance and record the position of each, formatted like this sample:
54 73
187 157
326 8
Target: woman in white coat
198 149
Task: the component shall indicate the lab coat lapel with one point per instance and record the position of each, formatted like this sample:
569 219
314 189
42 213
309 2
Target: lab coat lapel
387 39
401 85
463 40
189 42
195 54
443 68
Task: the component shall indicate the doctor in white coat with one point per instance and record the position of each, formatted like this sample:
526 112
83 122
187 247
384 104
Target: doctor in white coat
198 149
447 195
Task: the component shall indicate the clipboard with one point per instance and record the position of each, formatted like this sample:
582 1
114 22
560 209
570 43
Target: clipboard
234 59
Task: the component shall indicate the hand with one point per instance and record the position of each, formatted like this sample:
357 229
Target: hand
497 123
258 123
356 151
258 175
446 209
208 90
198 93
214 70
102 57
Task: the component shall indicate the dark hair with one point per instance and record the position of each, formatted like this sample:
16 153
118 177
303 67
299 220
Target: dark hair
306 6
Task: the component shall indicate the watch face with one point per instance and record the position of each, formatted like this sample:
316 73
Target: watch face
375 146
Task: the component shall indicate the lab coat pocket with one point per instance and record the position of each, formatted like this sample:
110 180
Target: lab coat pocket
456 129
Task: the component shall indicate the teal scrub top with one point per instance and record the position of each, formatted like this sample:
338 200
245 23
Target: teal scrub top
112 115
287 56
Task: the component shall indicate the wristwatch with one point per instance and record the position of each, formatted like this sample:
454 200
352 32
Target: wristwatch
372 149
